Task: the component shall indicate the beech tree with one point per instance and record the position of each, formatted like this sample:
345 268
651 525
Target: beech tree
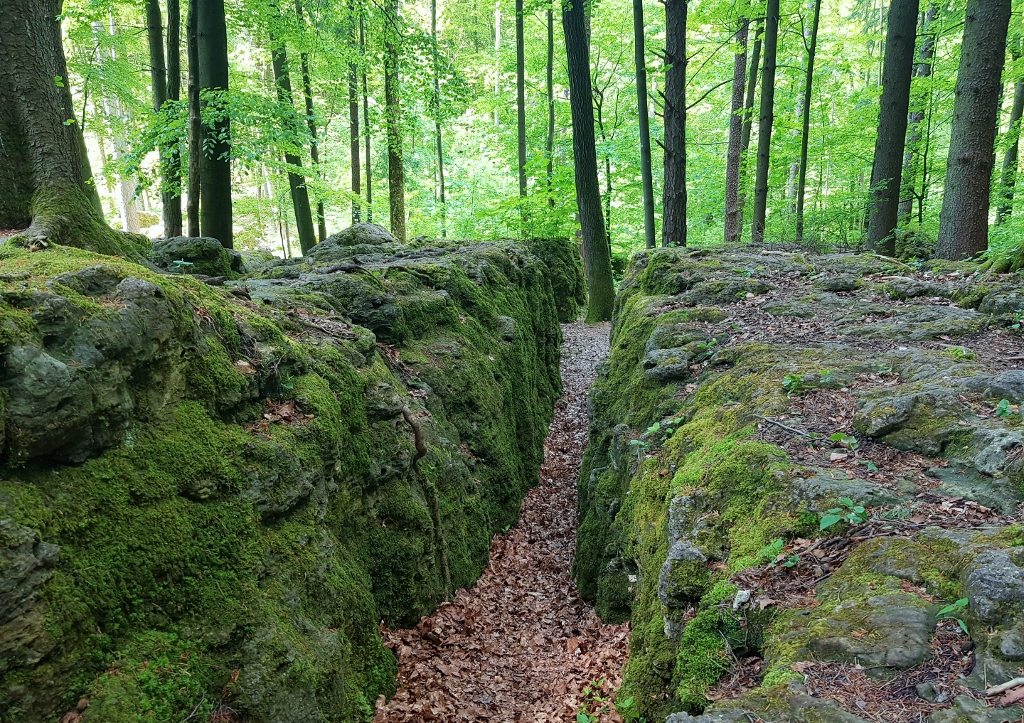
963 222
733 212
1008 178
805 122
215 216
647 177
887 170
674 202
767 119
596 254
393 113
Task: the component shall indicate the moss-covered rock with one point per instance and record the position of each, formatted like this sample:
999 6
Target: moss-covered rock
216 491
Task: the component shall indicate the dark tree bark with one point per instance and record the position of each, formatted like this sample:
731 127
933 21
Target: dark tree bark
748 122
170 198
172 206
887 170
912 160
43 175
520 97
646 175
963 221
805 132
767 119
550 148
733 212
195 124
353 128
314 144
596 255
673 228
1010 159
437 118
393 110
38 149
296 181
215 168
366 125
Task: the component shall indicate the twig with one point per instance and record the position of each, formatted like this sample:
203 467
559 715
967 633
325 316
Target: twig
997 689
196 709
777 423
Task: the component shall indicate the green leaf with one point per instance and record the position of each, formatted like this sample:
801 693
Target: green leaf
582 717
846 501
58 81
828 520
1003 408
963 626
654 427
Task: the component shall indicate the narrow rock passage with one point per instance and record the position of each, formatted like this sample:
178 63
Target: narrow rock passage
520 645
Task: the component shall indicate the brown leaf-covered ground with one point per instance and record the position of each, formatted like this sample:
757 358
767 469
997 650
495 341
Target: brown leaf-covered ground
521 645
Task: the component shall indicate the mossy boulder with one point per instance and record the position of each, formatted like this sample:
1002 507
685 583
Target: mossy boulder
213 493
196 255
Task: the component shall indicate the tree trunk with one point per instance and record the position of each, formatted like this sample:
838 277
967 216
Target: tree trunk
42 174
172 205
195 124
393 110
550 148
748 122
596 256
521 97
673 227
314 144
646 176
215 167
1009 170
366 126
801 185
911 160
497 60
764 128
353 131
733 214
437 118
170 199
887 170
296 181
963 222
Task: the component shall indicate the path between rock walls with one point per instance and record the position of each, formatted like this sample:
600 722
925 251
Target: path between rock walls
520 645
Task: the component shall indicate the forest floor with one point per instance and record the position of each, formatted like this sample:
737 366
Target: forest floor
521 645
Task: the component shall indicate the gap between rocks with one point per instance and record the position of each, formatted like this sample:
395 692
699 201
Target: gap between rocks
521 645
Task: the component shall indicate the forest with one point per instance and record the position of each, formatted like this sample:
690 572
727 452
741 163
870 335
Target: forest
837 126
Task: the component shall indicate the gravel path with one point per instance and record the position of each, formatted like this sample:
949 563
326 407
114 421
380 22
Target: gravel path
521 645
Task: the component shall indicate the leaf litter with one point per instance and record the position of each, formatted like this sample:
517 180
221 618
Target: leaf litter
521 645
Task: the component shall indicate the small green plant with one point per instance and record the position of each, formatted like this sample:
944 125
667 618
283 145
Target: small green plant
1003 409
872 467
793 383
846 441
960 353
181 263
847 511
1018 320
955 611
826 376
595 702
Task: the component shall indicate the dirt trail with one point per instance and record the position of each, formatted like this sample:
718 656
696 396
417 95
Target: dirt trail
520 645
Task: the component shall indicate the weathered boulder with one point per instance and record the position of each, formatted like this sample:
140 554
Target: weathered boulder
196 255
231 476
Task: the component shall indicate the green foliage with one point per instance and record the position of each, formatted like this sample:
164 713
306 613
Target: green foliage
955 611
847 511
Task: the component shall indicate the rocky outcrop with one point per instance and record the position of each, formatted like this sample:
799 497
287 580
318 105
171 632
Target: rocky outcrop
211 495
803 470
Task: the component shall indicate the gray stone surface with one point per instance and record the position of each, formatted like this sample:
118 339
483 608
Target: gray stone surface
994 583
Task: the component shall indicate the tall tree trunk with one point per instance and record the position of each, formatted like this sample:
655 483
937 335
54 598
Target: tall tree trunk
596 255
393 110
673 227
767 119
646 176
172 205
126 186
314 144
195 123
497 60
437 118
963 221
520 97
911 157
1009 171
748 122
353 128
887 170
805 132
366 125
550 148
296 181
215 168
169 198
733 213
